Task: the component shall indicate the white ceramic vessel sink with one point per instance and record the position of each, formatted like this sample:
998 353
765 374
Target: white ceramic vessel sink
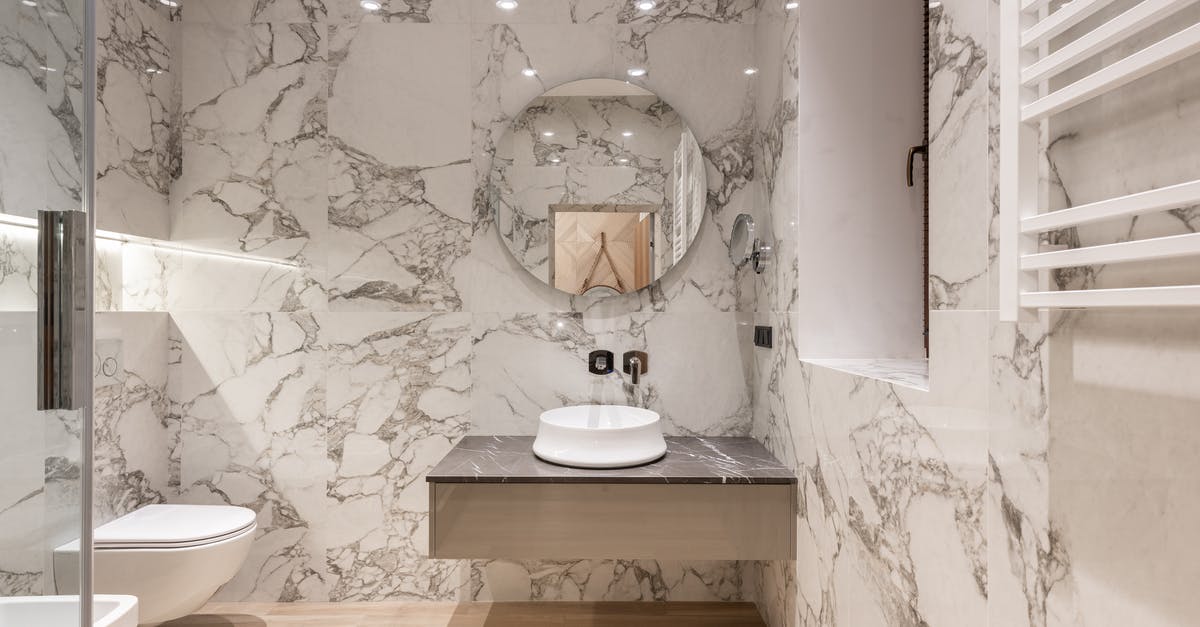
109 610
599 436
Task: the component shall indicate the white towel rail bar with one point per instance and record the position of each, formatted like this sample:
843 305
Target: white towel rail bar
1170 296
1027 102
1065 17
1172 197
1138 250
1145 61
1127 24
1030 5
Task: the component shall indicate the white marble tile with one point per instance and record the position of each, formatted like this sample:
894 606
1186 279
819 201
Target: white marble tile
137 147
130 416
418 11
959 165
427 104
398 398
1122 436
251 398
893 482
254 153
396 234
18 268
40 68
400 177
547 12
238 12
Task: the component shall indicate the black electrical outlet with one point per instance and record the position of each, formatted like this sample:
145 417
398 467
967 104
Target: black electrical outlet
762 336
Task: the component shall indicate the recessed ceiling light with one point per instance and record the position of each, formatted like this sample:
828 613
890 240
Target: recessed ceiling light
547 133
791 5
47 68
636 71
507 5
529 72
29 3
154 70
626 133
750 71
646 5
169 3
370 5
555 159
623 160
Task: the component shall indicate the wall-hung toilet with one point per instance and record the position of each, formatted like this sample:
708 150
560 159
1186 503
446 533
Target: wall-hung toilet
171 557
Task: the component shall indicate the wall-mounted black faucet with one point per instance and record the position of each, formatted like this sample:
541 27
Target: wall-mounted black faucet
635 364
600 362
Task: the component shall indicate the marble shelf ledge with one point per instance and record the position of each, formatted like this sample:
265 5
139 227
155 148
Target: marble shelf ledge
912 373
689 460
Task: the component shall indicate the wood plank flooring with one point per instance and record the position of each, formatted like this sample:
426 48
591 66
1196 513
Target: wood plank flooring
550 614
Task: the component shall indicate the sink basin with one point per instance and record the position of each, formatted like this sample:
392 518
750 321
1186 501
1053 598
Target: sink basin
599 436
109 610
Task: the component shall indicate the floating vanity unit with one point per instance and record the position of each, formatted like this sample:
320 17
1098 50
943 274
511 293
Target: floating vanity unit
706 499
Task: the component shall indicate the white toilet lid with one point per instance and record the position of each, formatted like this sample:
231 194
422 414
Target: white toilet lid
174 526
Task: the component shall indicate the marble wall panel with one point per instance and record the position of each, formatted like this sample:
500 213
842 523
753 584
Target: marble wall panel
399 194
130 419
18 268
959 170
897 513
397 398
337 159
249 390
1073 411
255 154
137 131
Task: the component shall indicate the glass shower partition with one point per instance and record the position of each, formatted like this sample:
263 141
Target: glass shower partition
46 233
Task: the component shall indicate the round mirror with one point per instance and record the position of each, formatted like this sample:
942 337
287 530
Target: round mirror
598 187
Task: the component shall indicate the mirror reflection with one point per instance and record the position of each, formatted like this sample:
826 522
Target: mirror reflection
598 187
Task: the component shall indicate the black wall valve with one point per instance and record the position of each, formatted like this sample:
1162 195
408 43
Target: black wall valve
600 362
635 364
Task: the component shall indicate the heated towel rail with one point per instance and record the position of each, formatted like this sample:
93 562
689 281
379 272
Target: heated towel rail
1026 102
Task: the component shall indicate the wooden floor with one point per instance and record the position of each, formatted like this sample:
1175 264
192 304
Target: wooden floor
550 614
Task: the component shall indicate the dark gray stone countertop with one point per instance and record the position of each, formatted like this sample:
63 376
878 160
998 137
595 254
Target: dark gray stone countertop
510 459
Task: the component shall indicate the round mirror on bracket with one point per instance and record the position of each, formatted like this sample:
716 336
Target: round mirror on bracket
598 187
746 245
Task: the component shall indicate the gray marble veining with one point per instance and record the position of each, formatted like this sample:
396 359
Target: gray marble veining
510 459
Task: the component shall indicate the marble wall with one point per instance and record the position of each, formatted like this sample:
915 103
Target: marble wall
137 137
331 307
1037 480
334 305
1122 386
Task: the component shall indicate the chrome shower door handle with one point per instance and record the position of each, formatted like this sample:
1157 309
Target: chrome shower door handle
912 153
62 309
